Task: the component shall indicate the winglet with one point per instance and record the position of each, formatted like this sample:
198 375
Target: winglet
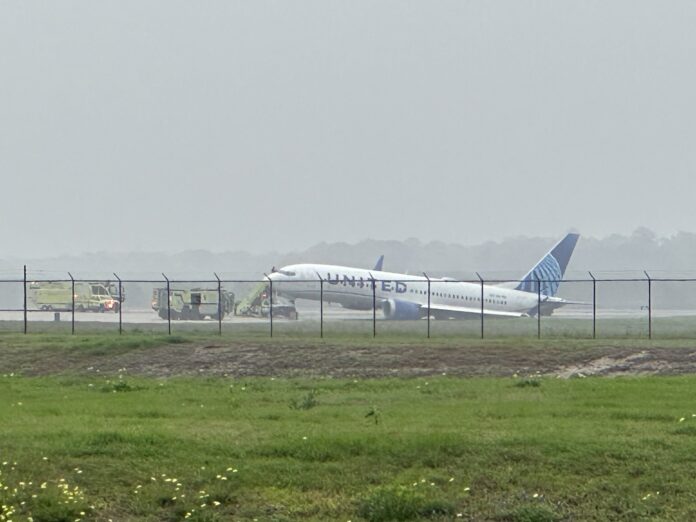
549 271
380 262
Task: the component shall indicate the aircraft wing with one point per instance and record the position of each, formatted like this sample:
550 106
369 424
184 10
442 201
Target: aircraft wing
465 311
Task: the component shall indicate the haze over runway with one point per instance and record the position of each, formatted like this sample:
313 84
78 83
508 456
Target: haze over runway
272 126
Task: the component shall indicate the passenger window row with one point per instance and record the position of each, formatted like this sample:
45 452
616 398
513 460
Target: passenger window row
456 296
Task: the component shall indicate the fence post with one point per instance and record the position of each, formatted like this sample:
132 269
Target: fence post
321 306
428 278
649 304
120 304
25 299
374 306
72 301
538 282
482 301
270 301
169 306
219 292
594 306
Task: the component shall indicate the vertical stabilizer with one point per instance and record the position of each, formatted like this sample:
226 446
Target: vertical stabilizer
549 271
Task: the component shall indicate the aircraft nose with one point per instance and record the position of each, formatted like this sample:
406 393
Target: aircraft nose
281 275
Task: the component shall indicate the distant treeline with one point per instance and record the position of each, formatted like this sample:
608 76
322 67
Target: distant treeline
617 256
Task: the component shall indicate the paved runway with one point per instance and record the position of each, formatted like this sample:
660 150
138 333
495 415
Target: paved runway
310 311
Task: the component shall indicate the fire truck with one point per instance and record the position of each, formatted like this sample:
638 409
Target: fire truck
193 304
58 296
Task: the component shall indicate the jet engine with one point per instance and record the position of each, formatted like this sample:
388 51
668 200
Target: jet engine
401 310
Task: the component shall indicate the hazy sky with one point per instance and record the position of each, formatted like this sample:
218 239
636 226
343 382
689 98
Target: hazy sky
275 125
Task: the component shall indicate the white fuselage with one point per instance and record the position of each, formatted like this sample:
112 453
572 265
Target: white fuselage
353 288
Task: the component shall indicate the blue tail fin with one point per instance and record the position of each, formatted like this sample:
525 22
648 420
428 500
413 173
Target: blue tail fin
380 262
549 271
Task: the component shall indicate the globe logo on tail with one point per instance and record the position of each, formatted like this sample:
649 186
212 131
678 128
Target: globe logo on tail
547 273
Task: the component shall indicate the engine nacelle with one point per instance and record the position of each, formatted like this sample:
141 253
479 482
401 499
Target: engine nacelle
401 310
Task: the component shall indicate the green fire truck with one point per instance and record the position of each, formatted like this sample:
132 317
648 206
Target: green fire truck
193 304
58 296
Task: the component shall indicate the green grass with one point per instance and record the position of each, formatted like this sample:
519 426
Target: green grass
558 327
91 343
324 449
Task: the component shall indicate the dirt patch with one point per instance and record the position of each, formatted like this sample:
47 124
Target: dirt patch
606 365
242 359
656 361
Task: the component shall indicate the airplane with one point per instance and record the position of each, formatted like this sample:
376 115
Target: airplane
405 297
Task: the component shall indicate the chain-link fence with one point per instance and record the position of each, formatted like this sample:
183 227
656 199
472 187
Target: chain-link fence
598 305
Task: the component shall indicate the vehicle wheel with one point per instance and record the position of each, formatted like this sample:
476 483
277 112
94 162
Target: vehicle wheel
101 308
117 306
80 308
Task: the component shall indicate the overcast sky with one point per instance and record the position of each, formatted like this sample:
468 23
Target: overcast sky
255 125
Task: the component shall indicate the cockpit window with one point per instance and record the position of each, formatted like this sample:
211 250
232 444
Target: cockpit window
287 273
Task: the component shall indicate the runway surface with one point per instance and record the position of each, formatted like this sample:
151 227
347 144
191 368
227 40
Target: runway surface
310 312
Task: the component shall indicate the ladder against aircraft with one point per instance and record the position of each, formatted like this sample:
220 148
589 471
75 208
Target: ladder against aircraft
257 303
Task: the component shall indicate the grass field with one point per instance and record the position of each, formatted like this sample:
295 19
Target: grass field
559 327
77 412
119 447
